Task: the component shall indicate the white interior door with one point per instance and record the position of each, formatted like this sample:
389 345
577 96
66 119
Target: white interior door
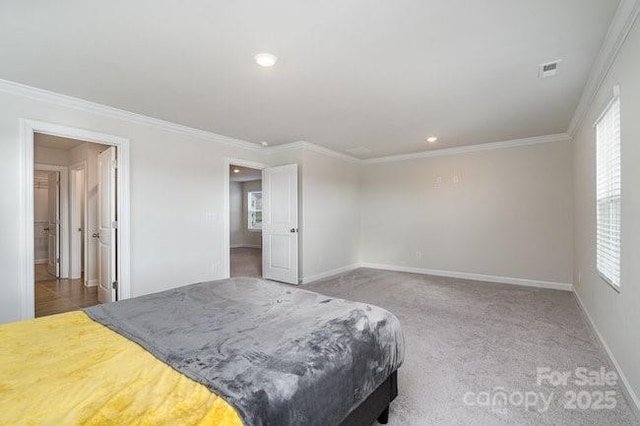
280 223
107 226
53 265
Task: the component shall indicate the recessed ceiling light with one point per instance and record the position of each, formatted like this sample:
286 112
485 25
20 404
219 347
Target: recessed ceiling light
236 170
264 143
265 59
432 139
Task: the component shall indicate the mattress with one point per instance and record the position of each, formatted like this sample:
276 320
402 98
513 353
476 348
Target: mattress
225 352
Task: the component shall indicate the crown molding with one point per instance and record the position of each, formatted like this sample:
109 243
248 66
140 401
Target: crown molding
560 137
309 146
621 24
19 89
107 111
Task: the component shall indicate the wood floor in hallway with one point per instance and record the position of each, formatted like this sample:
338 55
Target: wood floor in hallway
55 296
246 262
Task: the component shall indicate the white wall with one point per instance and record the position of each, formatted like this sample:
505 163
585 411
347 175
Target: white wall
41 204
616 315
177 198
41 221
241 236
236 237
509 215
329 212
251 238
51 156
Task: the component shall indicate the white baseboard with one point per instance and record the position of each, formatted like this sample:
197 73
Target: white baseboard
626 383
332 272
91 283
470 276
41 261
245 246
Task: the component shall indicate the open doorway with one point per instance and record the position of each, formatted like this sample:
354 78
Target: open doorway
245 221
118 275
75 223
275 208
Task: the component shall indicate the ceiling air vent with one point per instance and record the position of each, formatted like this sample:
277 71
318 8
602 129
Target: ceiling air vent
549 69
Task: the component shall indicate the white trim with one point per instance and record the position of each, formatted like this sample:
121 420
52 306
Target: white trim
331 273
91 283
609 352
622 23
560 137
607 107
64 214
472 276
41 261
245 246
74 198
26 232
228 161
95 108
107 111
304 145
26 149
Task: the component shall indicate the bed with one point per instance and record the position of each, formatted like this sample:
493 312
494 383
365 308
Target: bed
233 352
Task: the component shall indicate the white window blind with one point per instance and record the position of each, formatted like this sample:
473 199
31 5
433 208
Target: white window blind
608 193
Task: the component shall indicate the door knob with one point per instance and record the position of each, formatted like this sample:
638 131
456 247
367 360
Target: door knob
96 235
293 230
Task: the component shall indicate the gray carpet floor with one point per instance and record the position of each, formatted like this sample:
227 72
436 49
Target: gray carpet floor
469 341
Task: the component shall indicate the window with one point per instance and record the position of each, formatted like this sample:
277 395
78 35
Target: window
608 193
254 210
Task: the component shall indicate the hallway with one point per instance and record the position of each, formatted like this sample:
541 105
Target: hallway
54 296
246 262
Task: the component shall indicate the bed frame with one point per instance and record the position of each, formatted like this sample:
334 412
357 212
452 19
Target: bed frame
376 406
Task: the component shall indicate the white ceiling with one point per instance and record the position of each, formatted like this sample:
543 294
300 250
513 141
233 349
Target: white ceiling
376 74
56 142
245 174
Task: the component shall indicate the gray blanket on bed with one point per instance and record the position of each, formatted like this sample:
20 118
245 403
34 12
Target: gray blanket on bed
278 354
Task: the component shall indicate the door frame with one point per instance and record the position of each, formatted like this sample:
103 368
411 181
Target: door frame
64 214
227 213
27 129
76 251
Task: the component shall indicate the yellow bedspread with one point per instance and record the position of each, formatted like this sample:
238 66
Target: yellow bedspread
68 369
